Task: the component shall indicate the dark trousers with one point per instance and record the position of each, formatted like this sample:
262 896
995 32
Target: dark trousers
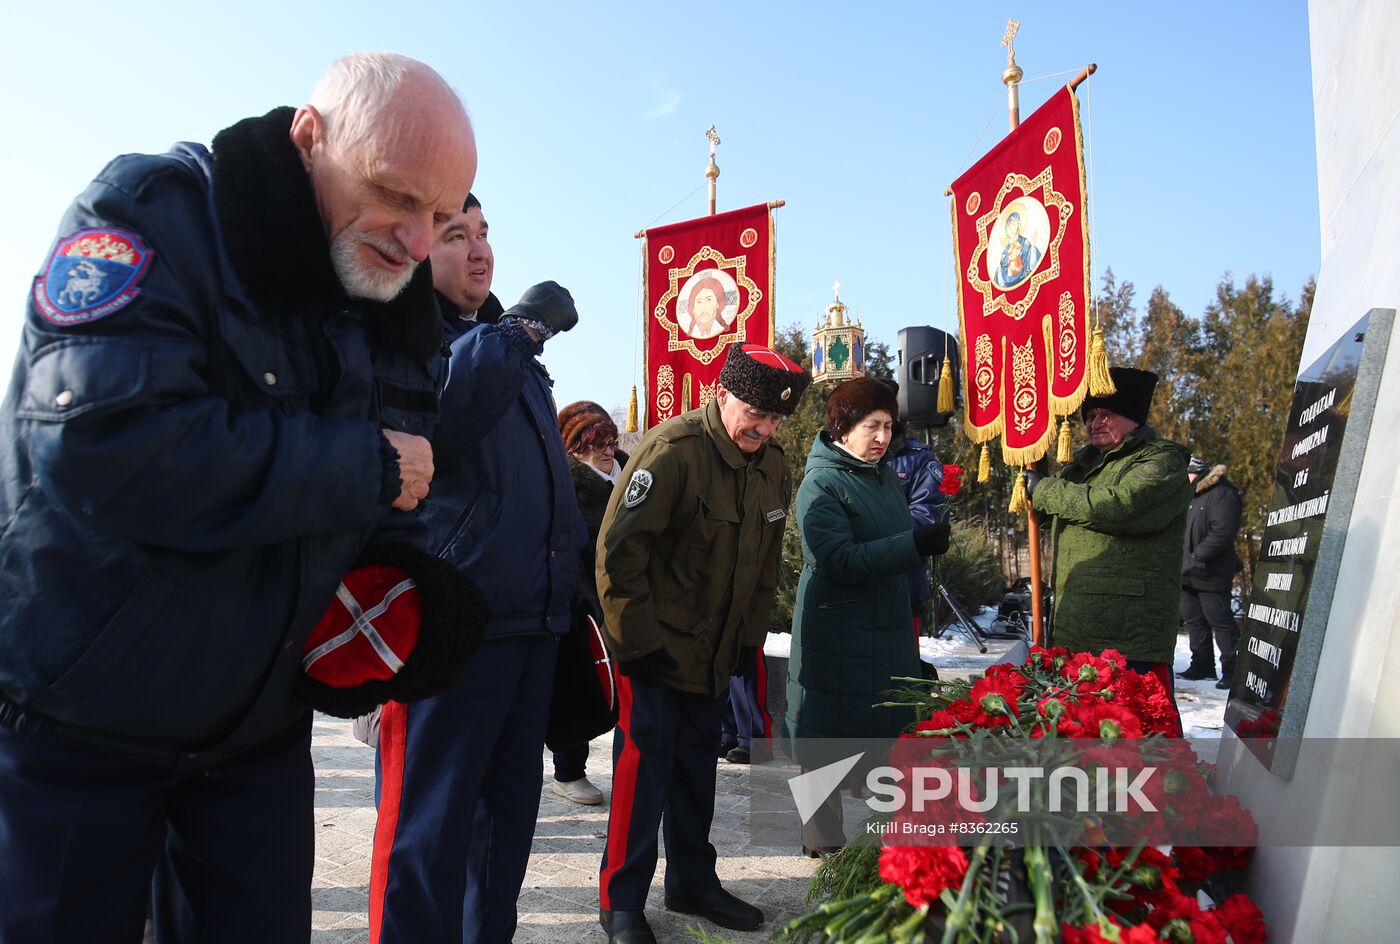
664 755
571 765
83 832
1207 613
746 717
458 784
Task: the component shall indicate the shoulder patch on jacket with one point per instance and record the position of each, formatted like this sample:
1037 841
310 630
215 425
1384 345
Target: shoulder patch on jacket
90 275
637 488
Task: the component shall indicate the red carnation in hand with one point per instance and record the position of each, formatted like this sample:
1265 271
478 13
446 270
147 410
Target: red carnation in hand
952 479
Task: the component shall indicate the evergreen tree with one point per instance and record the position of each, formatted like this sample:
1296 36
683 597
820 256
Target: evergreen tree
1114 306
1169 347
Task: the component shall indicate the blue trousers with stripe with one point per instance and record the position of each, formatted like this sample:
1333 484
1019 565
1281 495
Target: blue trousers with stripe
83 832
458 781
664 753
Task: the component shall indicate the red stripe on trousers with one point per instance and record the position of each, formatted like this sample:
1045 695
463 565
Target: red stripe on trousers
393 735
624 793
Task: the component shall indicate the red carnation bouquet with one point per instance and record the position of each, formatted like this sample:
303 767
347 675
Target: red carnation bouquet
1107 883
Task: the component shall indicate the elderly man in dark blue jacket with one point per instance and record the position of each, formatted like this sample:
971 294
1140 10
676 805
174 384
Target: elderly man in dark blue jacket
191 457
459 775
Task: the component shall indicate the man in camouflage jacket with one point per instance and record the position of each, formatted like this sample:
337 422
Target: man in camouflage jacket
1118 515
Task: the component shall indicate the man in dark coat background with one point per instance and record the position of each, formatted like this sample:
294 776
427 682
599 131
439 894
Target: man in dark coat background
1208 567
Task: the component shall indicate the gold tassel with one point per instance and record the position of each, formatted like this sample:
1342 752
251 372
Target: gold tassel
632 411
945 386
1100 380
1018 495
984 465
1064 453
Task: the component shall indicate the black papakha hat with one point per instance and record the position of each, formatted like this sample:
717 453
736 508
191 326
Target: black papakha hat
1132 399
763 378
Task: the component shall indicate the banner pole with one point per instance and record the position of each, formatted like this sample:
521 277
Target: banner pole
712 172
1012 78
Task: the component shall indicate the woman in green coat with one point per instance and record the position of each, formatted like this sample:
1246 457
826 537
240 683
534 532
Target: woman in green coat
851 626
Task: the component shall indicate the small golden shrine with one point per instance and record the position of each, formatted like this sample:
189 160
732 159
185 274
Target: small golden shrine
838 344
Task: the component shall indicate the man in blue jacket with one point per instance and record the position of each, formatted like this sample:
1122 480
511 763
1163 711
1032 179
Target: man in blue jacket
192 455
459 775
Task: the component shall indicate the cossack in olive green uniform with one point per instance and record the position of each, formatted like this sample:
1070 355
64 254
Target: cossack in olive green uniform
690 547
1118 520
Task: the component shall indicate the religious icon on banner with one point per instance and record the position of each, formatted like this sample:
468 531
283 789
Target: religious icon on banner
709 283
1023 282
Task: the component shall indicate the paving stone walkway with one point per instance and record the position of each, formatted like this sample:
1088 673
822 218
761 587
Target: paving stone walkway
559 900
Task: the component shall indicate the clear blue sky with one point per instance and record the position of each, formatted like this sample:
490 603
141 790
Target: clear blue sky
590 120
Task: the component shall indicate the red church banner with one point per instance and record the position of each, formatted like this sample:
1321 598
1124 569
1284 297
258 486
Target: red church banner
709 283
1022 249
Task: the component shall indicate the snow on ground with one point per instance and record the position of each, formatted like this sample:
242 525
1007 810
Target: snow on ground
1201 704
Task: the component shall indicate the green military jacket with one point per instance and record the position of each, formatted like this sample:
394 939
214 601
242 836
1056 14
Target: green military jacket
1117 523
690 547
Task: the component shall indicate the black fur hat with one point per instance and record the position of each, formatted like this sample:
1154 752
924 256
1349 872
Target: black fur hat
763 378
1133 398
856 399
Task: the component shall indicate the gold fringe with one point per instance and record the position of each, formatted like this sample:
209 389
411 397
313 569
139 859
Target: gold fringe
632 411
984 464
945 386
685 394
1018 495
1064 453
1100 380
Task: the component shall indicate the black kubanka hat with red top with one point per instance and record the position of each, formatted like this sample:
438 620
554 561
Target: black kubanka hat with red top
402 627
763 378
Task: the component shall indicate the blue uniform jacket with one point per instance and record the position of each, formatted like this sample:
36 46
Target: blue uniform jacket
920 474
502 507
184 479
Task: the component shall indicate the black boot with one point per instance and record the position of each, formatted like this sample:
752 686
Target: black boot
1195 673
719 906
626 927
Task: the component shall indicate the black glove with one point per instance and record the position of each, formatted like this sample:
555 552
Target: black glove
932 539
547 304
647 668
1032 480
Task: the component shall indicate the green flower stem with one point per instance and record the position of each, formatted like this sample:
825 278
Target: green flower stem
1091 900
1041 881
908 930
961 914
864 906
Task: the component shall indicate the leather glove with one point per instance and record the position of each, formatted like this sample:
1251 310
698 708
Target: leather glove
932 539
1032 480
547 304
647 668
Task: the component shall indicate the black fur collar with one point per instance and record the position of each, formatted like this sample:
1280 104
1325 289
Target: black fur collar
278 244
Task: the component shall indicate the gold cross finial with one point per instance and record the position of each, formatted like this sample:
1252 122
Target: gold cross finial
714 139
1012 27
836 290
